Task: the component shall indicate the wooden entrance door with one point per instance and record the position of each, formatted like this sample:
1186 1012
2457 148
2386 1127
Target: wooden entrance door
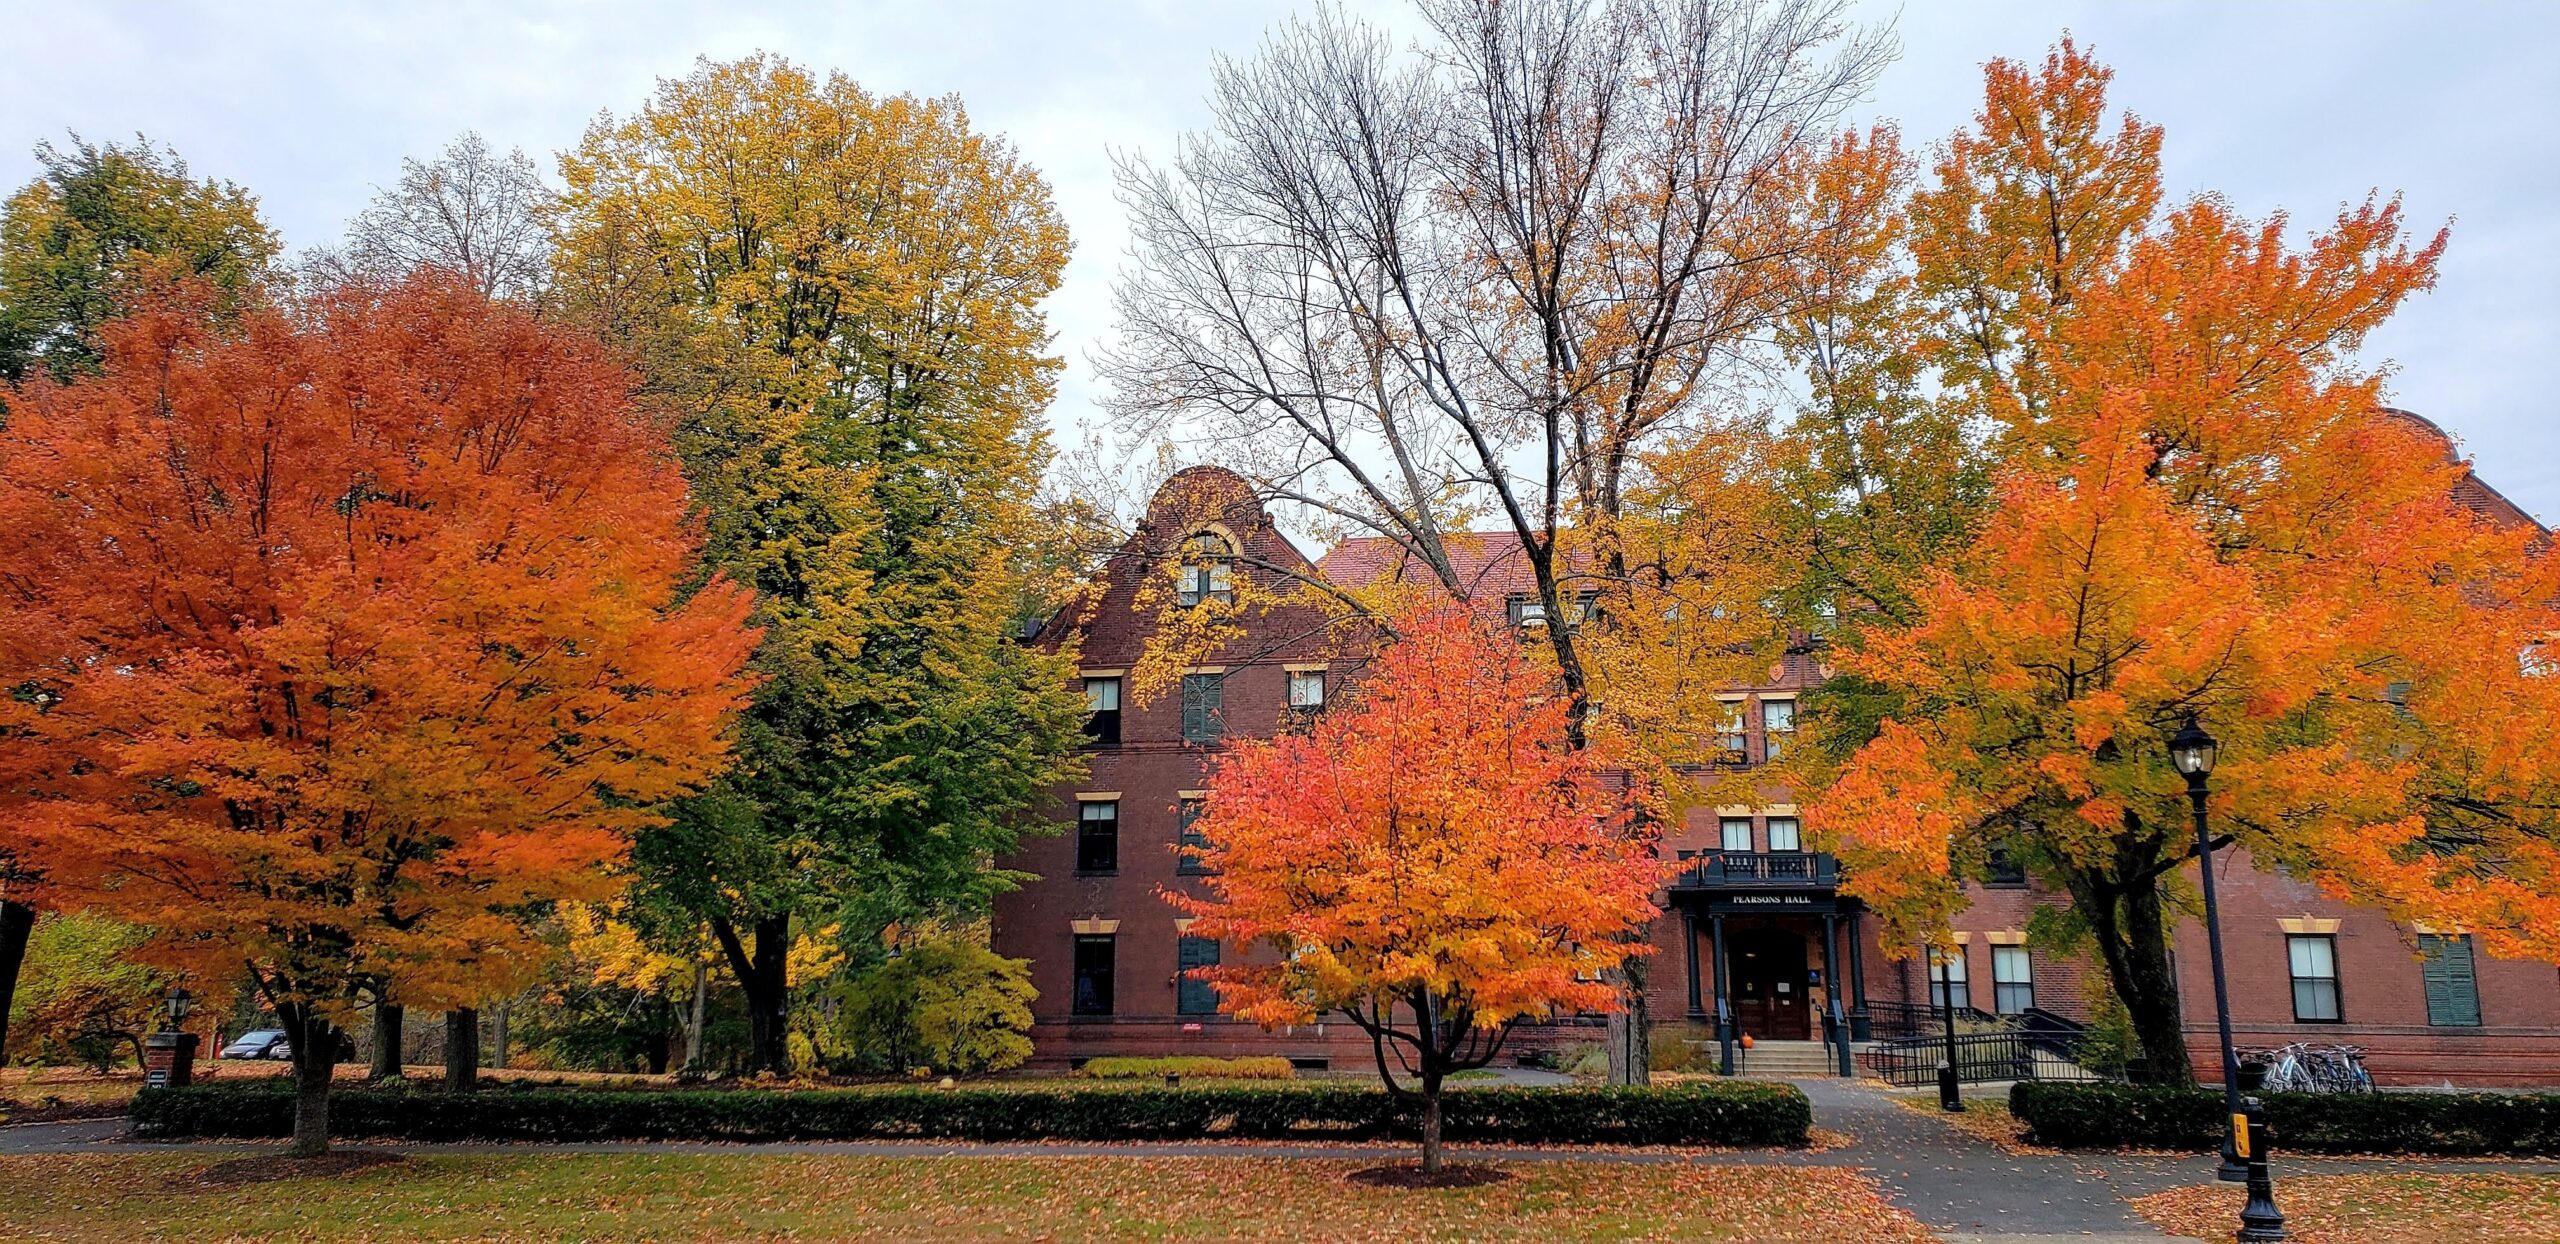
1767 970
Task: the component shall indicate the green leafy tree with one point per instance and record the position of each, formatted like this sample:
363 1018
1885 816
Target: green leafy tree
945 1003
76 241
837 294
87 997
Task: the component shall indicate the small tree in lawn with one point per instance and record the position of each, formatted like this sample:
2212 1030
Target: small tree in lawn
1436 861
377 639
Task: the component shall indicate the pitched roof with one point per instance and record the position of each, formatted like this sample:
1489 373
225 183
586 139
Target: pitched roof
1487 563
2470 492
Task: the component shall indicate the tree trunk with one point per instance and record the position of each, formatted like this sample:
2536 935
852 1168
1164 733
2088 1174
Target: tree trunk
2132 933
763 977
315 1058
17 921
1431 1161
693 1026
1630 1047
388 1035
461 1050
498 1035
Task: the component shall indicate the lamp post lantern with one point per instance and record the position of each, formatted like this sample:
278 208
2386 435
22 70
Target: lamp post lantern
2192 751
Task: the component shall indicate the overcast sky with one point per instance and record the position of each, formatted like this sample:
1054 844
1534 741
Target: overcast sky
2301 106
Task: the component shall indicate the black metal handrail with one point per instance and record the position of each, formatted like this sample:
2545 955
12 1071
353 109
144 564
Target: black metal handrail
1760 868
2002 1054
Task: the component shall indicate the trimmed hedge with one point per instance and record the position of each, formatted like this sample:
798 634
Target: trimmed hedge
1726 1113
1190 1067
2107 1116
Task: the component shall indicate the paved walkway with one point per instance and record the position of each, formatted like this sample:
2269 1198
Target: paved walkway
1968 1190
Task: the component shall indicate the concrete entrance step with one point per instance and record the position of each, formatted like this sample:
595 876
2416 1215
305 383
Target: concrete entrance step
1774 1060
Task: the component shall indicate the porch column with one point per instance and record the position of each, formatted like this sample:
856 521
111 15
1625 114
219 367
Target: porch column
1835 1025
1861 1027
1689 951
1724 1007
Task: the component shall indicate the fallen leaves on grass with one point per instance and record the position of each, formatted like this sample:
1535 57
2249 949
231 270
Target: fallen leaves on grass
768 1196
2403 1208
265 1168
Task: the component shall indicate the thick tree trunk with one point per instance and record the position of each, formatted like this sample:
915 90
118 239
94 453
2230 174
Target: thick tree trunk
2130 926
763 976
462 1050
17 921
315 1059
498 1034
388 1036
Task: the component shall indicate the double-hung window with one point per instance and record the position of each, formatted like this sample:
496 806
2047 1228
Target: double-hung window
1306 697
1737 833
1947 978
2312 959
1102 709
1203 701
1098 836
1785 834
2013 979
1777 726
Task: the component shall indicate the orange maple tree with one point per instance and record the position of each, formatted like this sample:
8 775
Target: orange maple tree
2201 511
1435 860
349 635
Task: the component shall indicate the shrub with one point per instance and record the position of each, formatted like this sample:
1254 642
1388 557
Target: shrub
1267 1067
2147 1117
1723 1113
943 1003
1672 1049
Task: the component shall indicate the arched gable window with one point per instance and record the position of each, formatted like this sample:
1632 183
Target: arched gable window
1208 568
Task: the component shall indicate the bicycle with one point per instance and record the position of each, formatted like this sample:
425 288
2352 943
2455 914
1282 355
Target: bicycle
2303 1068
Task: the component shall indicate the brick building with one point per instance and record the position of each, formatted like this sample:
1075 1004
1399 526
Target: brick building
1754 929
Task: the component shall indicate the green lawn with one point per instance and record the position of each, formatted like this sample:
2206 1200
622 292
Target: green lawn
752 1196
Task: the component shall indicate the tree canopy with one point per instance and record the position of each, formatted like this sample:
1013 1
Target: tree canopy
357 631
837 294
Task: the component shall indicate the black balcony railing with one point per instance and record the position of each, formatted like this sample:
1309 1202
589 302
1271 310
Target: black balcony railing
1719 869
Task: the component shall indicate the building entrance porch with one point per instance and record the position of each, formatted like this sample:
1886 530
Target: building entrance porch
1800 976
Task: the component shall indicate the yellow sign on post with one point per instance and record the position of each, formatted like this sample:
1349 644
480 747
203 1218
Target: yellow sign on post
2240 1134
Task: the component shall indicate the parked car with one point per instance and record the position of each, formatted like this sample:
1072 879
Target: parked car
266 1043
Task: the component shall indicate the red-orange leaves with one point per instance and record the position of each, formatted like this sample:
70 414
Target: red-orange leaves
363 628
1434 838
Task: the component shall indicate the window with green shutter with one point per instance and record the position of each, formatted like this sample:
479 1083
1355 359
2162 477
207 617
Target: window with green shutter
1203 695
1194 997
2453 991
1185 862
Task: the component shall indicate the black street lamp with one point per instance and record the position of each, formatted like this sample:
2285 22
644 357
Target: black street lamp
178 1001
2191 750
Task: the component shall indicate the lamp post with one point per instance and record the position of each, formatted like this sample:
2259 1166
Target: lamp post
2192 750
178 1001
1947 1075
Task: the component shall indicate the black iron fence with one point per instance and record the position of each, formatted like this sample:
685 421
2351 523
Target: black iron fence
2014 1053
1715 869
